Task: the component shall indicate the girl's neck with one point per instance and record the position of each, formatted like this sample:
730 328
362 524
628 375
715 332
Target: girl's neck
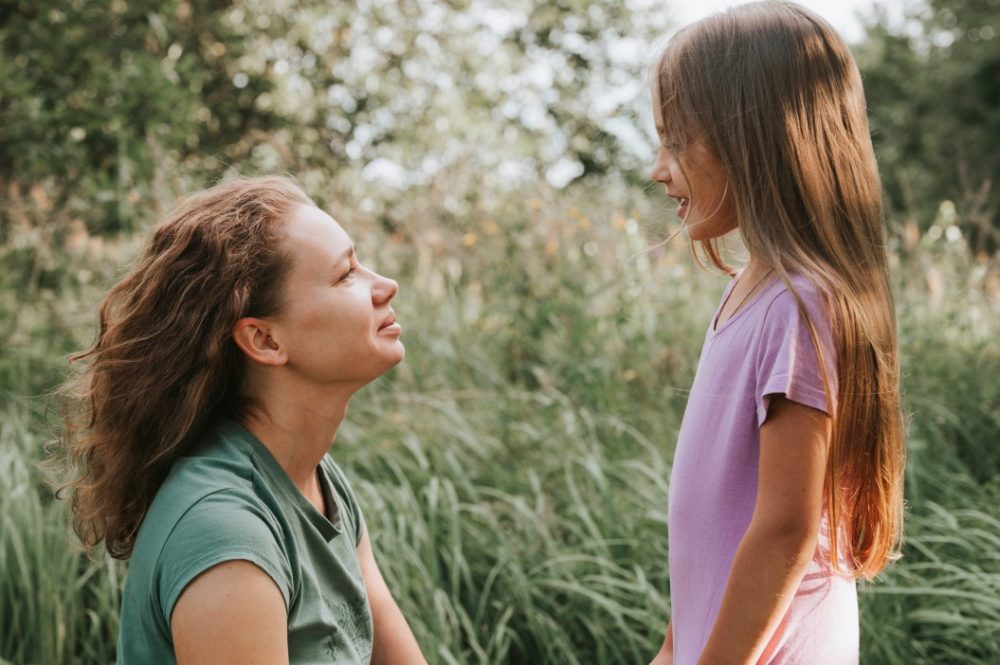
749 282
754 270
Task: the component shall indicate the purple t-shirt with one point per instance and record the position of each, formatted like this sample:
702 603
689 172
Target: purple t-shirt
765 349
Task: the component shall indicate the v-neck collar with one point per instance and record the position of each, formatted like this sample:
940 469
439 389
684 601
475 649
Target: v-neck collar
715 327
329 528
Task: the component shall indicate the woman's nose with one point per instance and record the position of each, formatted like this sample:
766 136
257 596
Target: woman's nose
384 290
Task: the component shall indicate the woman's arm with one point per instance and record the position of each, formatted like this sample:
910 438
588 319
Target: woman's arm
233 613
781 538
394 641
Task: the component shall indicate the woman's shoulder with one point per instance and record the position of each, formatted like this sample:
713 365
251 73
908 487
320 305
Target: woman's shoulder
334 472
219 459
218 470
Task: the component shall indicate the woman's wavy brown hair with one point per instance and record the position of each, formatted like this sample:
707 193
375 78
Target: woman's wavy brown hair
775 95
164 363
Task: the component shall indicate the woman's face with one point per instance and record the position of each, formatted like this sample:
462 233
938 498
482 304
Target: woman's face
337 325
698 184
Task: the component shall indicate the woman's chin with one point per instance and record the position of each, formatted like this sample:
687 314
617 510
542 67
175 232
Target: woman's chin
396 356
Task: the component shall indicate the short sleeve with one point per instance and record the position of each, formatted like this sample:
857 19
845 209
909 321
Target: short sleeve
340 485
786 360
221 527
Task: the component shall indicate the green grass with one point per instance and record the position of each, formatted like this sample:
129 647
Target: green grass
56 604
514 469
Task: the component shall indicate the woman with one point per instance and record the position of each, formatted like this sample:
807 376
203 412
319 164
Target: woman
223 367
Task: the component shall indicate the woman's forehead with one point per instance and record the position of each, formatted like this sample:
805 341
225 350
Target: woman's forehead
311 230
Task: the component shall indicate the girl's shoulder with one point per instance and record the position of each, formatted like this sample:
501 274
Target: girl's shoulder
796 310
782 299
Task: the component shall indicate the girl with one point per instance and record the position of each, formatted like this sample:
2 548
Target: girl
223 367
787 479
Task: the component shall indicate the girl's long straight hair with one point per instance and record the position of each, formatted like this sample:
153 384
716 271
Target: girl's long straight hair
164 363
774 93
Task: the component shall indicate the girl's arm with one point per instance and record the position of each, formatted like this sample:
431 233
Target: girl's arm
781 538
233 613
394 641
666 655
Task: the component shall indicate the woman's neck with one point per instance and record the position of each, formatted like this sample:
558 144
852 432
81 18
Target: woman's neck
298 432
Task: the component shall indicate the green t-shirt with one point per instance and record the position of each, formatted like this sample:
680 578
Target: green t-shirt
228 499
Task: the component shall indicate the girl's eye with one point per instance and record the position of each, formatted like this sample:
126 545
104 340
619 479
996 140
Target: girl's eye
347 275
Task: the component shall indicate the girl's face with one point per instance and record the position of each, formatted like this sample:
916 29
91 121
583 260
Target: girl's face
336 325
698 184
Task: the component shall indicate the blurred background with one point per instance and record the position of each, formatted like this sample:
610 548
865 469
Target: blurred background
492 157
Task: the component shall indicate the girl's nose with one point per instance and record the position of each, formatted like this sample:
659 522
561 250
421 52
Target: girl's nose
661 170
384 289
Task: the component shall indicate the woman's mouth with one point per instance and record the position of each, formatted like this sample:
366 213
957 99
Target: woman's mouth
390 326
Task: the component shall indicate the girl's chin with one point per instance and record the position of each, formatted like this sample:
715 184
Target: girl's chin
706 229
704 234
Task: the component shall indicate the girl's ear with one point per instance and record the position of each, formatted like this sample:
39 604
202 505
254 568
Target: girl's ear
254 337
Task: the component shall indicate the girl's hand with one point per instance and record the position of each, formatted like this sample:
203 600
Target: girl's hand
780 541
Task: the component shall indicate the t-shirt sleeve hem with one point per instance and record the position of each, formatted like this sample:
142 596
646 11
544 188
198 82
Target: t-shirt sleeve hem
779 385
208 562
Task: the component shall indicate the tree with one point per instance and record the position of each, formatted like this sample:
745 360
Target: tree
933 86
94 96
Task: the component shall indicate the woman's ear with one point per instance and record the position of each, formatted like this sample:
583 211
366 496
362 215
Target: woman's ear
254 337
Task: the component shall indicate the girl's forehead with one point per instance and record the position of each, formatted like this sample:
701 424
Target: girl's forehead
656 95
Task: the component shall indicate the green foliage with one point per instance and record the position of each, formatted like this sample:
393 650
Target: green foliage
93 95
100 100
933 87
514 468
56 605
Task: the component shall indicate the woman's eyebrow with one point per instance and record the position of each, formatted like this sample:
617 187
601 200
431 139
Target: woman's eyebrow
344 256
347 254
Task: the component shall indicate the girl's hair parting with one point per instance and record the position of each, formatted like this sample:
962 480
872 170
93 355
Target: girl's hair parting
773 92
164 363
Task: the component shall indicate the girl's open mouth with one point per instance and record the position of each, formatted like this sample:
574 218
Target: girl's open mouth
682 207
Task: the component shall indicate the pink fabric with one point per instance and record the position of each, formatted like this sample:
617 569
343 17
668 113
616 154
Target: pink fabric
765 349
